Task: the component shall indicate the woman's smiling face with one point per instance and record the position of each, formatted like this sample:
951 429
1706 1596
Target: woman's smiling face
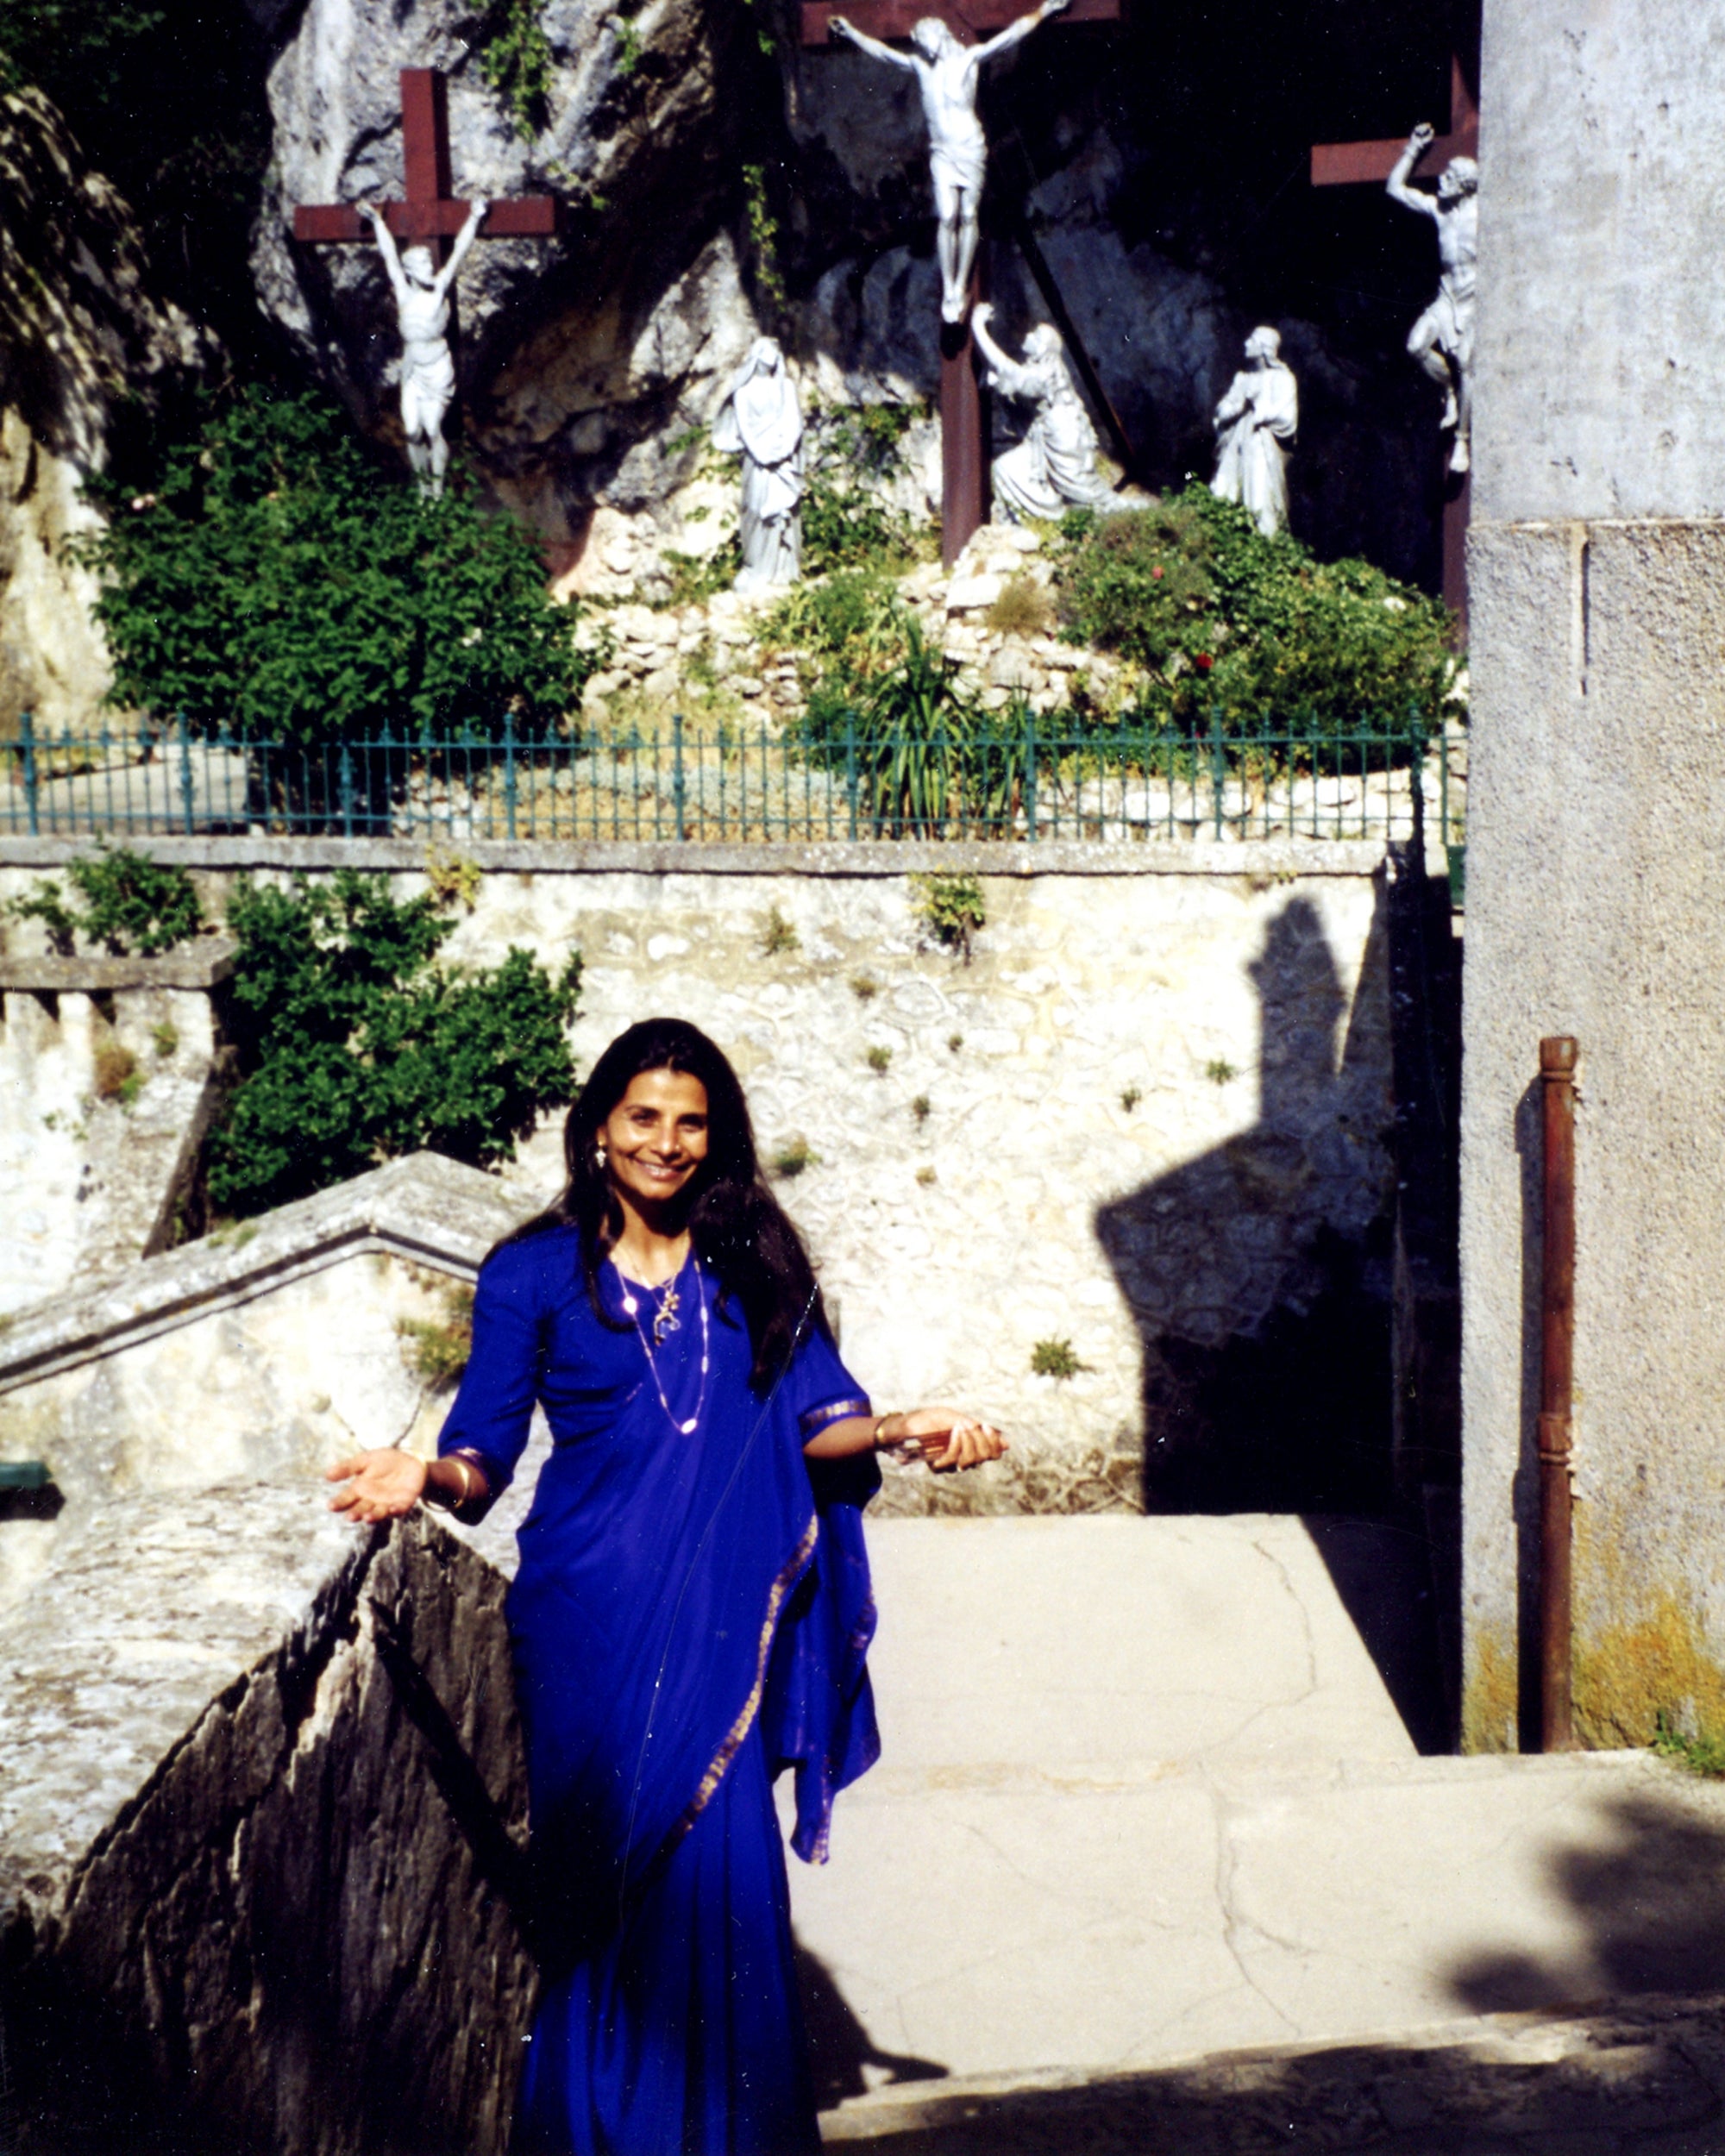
656 1138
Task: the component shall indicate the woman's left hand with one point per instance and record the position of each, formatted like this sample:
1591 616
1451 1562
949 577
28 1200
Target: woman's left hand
969 1441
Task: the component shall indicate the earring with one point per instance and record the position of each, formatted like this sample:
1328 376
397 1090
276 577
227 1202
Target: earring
598 1156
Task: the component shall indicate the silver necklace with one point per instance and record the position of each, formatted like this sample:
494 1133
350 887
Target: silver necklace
668 1309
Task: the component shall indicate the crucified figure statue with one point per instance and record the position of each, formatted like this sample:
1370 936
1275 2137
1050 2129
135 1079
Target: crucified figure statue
948 74
1442 339
422 313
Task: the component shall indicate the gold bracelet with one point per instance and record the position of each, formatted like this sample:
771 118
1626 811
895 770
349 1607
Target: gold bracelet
875 1441
468 1478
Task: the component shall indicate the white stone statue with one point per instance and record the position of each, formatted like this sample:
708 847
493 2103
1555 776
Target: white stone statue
948 74
760 419
1442 339
422 312
1256 423
1054 468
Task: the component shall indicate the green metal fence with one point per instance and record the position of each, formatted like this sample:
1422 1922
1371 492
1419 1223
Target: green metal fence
1016 778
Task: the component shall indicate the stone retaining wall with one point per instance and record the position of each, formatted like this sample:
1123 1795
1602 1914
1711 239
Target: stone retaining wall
1148 1120
262 1806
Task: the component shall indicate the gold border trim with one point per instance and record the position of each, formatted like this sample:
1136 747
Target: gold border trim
751 1706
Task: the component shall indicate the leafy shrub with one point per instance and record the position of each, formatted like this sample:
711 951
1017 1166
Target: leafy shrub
951 909
792 1158
1251 634
356 1046
847 523
853 624
131 904
271 582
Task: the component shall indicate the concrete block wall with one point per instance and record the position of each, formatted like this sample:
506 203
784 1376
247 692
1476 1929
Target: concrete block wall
1596 833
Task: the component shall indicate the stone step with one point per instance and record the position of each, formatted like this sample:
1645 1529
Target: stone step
1143 1794
1648 2074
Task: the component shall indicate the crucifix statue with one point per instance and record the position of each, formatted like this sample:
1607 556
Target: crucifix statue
947 58
949 75
422 274
1443 337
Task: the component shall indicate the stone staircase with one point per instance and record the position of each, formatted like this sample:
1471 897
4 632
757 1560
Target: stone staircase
1146 1798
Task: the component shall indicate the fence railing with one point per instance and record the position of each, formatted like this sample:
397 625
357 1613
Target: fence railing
686 782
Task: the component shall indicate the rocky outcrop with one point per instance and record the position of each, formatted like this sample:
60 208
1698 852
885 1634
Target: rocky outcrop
261 1814
79 329
718 180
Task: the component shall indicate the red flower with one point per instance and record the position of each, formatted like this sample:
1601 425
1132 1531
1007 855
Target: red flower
1157 572
1203 662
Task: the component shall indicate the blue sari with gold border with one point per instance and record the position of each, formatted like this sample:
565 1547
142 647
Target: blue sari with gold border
692 1613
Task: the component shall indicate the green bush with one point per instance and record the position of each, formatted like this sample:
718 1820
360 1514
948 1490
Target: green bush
272 583
356 1046
852 625
1250 634
846 524
922 752
130 904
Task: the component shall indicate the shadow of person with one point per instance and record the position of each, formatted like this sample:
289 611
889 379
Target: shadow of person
839 2046
1259 1275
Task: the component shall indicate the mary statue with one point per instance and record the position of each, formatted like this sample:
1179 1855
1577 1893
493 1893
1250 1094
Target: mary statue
760 420
1256 423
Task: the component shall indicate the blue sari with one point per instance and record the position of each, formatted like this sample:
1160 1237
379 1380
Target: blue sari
691 1615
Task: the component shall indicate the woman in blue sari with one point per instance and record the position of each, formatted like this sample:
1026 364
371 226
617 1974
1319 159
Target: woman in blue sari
692 1611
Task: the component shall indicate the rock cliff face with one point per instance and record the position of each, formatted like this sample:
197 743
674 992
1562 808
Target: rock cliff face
78 330
720 180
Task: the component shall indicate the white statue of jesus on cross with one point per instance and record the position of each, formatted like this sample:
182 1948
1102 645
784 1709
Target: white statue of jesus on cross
948 74
422 312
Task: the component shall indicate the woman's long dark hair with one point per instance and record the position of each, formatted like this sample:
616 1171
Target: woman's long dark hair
739 1231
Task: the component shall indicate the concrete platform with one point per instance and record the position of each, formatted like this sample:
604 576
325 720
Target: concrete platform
1146 1795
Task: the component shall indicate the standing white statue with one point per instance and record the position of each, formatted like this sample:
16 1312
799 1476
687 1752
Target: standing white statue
1054 468
760 420
949 75
422 313
1256 423
1442 339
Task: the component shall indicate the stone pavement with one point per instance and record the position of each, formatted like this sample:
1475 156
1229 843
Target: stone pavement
1146 1799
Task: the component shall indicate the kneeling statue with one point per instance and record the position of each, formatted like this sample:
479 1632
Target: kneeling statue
1054 468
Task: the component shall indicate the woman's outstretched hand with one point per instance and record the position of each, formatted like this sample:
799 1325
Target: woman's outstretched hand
380 1485
969 1441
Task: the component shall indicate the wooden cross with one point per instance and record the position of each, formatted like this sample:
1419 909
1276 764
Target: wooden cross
964 428
1359 164
431 217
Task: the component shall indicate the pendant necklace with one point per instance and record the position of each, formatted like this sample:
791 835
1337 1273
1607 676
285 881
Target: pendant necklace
666 1321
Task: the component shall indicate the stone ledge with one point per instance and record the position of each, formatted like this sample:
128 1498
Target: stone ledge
424 1207
1274 857
241 1735
1604 2081
200 965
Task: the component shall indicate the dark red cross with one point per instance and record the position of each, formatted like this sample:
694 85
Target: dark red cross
431 217
1357 164
964 436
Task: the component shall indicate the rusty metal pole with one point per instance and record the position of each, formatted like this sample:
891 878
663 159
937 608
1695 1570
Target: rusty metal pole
1557 1367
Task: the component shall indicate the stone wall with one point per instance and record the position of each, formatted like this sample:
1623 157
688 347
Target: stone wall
1596 898
265 1352
1149 1119
262 1810
108 1075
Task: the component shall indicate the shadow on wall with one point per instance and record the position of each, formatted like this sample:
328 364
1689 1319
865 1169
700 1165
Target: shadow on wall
1259 1273
1648 1893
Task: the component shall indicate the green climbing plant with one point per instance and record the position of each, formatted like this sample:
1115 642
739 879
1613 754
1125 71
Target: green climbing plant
514 59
